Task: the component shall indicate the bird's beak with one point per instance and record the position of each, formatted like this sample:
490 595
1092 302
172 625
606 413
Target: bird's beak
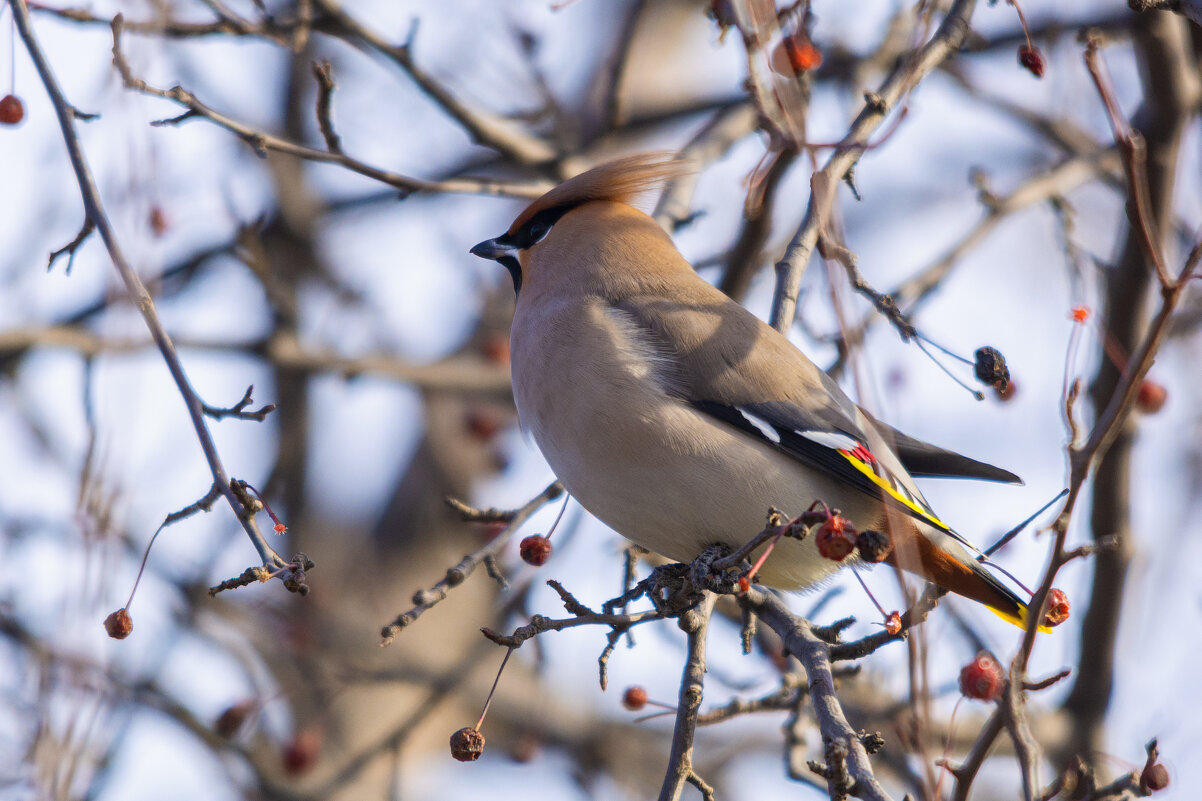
493 249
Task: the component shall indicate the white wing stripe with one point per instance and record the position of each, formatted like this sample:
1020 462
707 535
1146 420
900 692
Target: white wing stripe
830 439
762 425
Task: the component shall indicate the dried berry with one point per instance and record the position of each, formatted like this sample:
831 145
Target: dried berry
1057 608
635 698
991 366
230 721
467 744
982 678
874 546
836 538
1151 398
1153 777
535 550
301 754
12 110
893 623
119 624
1030 57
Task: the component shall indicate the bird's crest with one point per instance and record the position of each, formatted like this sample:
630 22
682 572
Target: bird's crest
621 181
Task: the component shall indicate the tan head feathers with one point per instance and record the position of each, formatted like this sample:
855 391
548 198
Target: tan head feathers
621 180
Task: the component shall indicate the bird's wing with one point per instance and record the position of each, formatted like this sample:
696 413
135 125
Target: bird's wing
724 362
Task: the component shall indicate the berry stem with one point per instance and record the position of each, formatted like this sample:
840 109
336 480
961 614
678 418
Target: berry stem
871 597
495 682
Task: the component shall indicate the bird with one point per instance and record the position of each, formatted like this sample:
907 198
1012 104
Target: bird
678 418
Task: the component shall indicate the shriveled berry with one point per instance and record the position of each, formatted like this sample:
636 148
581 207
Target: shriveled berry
893 623
635 698
982 678
301 754
12 110
467 744
874 546
230 721
1057 608
535 550
1154 777
1151 397
991 367
119 624
1031 59
836 538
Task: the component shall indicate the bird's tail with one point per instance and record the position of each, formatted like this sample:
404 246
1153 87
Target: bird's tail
959 574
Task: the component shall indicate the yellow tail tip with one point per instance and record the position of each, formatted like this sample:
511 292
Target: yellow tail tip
1019 620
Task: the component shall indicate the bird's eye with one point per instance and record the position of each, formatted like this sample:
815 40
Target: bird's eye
537 231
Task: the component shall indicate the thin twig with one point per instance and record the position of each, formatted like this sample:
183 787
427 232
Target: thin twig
426 599
262 142
790 269
94 208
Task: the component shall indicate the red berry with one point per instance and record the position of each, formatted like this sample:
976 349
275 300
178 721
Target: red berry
1006 391
483 425
535 550
119 624
496 349
1057 608
300 754
836 538
796 54
1154 777
467 744
1151 397
232 718
526 749
635 698
893 623
158 220
874 546
11 110
982 678
1031 58
493 529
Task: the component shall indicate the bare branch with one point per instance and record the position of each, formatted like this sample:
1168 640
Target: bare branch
94 209
791 267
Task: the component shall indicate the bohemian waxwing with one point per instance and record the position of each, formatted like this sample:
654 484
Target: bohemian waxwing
678 418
